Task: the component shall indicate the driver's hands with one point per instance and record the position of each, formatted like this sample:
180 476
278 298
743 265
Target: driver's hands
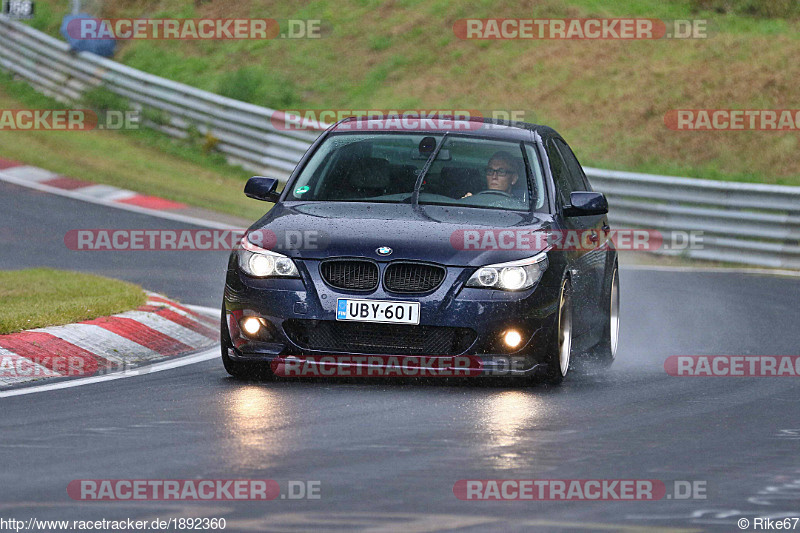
466 195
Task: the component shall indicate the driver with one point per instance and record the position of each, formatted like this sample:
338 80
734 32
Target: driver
501 173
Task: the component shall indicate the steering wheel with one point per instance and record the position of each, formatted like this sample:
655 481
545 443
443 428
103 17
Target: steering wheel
494 191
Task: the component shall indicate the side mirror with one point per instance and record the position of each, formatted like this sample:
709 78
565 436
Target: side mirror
261 188
584 203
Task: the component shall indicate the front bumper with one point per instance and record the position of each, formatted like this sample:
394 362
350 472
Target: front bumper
460 327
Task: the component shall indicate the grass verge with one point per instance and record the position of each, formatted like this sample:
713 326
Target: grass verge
143 160
39 297
607 97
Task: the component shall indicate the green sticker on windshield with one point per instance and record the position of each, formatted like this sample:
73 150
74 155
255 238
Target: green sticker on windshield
301 190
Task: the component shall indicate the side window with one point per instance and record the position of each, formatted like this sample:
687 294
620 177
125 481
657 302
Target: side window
539 190
560 173
577 177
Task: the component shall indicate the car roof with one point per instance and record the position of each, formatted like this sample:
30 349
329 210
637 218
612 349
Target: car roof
432 124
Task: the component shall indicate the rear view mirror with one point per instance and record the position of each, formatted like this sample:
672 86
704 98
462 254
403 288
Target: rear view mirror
584 203
261 188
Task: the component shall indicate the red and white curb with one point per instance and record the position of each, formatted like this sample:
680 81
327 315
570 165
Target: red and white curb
45 178
160 329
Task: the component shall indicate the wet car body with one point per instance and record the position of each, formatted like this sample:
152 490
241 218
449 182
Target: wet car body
299 314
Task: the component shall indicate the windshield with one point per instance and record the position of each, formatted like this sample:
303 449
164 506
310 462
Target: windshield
381 167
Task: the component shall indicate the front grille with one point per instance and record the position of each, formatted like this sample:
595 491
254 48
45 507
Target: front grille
350 274
413 277
386 339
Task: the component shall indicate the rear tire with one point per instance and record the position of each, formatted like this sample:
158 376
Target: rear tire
560 356
605 352
238 369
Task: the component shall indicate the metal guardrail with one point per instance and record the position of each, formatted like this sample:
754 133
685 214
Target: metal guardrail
741 223
244 131
745 223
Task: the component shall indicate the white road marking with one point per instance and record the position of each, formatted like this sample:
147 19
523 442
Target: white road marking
167 327
102 342
205 355
10 359
98 191
173 308
199 357
31 174
7 176
210 311
122 194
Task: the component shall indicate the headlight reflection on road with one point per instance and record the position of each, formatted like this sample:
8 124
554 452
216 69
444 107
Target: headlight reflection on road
509 419
256 419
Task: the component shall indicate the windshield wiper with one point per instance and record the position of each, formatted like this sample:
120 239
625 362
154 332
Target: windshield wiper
424 172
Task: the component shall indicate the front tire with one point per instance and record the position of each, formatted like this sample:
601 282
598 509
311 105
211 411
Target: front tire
560 356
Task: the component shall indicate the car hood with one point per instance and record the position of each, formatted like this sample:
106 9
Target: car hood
318 230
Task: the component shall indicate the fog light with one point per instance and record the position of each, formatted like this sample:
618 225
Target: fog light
512 338
251 325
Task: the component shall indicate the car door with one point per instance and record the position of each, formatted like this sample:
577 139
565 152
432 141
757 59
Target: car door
593 259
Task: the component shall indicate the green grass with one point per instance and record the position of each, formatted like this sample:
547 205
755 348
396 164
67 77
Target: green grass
142 160
40 297
608 98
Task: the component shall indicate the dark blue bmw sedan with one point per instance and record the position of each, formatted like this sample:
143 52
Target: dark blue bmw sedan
449 239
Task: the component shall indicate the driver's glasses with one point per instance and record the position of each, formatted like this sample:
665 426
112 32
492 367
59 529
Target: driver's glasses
501 172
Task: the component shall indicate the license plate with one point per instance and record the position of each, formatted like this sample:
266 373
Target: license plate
384 311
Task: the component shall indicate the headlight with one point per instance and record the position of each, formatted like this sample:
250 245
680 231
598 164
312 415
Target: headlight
261 263
512 276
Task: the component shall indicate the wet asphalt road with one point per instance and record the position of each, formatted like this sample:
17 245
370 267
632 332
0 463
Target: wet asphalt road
387 453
